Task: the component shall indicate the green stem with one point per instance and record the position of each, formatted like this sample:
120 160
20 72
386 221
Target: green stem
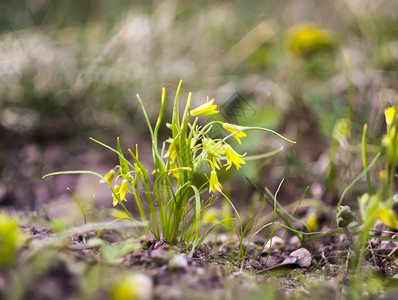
364 240
365 160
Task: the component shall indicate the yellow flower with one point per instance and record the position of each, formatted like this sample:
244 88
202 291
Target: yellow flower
312 222
172 152
109 176
341 129
217 147
210 216
173 171
118 214
385 140
205 109
11 239
116 189
132 287
390 114
123 189
214 184
120 192
388 217
382 175
214 151
233 158
213 162
305 39
235 128
212 147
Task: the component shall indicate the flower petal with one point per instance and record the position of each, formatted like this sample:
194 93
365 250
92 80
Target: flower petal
231 128
214 184
205 109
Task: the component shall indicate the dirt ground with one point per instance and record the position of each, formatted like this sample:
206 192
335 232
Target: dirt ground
55 266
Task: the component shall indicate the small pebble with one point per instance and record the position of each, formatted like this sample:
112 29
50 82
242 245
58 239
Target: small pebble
159 244
178 262
294 240
146 286
304 257
386 245
236 274
165 292
222 238
200 271
277 243
159 254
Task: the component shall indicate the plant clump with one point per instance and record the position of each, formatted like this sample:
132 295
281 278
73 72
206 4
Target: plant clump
170 205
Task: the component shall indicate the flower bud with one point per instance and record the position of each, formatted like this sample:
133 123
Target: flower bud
109 176
344 216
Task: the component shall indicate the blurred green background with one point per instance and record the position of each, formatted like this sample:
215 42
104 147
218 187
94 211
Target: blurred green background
71 69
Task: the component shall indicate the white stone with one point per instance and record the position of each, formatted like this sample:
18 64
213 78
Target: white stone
304 257
178 262
275 243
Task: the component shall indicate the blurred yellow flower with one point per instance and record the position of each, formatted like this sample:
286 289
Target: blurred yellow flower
312 222
308 38
133 287
231 128
233 158
116 189
382 175
210 216
118 214
11 239
390 114
214 184
341 129
388 217
173 171
385 140
205 109
109 176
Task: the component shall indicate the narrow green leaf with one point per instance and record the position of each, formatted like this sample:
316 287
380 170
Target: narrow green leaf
122 160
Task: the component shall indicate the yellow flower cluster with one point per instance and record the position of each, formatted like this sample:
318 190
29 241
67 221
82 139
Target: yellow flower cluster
216 148
118 191
213 150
